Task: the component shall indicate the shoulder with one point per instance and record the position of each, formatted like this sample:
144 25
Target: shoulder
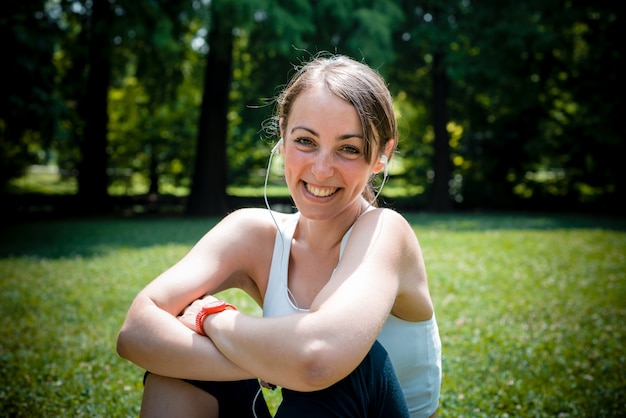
387 229
252 222
254 217
246 215
387 219
242 242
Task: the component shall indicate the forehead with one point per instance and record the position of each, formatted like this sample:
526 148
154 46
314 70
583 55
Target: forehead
319 107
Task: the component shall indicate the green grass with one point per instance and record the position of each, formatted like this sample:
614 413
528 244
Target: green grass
531 311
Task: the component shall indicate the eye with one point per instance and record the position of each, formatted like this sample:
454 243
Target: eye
351 150
304 142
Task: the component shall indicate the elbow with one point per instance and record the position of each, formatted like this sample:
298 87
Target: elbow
318 377
124 345
320 367
132 334
122 348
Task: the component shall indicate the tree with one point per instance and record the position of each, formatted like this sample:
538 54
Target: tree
440 194
593 157
92 173
503 104
28 107
154 89
427 37
538 83
280 36
208 185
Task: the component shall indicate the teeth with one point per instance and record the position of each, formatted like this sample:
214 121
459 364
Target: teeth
320 192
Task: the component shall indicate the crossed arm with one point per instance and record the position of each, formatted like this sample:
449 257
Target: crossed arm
305 351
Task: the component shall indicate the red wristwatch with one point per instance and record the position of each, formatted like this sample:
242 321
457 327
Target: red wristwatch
210 308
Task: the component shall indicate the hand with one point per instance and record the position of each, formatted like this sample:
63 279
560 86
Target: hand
188 316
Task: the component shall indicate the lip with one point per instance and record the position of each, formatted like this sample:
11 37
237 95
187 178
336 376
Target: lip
319 192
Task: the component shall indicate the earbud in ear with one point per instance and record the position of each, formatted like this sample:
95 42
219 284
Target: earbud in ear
383 159
275 150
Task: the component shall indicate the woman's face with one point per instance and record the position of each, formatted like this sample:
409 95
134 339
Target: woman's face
325 168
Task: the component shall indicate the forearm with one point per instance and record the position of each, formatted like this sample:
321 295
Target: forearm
299 352
308 351
157 341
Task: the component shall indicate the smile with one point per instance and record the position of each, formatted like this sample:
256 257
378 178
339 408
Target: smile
320 191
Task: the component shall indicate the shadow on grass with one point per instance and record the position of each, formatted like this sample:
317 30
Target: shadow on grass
92 237
85 237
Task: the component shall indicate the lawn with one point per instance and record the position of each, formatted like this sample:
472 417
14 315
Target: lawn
531 310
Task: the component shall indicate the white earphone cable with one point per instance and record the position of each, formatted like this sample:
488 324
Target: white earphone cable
254 402
267 175
383 158
267 204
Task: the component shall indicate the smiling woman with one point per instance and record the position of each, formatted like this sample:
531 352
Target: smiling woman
341 281
358 90
326 169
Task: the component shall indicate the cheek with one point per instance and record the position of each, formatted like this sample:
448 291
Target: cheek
291 166
295 161
357 174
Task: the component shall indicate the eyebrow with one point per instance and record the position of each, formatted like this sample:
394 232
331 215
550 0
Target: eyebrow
312 132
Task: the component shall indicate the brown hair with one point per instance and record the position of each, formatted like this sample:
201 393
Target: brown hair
358 84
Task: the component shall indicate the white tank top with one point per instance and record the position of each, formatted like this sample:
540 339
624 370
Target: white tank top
414 347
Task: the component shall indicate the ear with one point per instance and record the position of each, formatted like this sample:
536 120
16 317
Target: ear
281 127
382 163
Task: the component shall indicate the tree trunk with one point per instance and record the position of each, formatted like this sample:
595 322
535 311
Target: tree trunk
92 176
209 180
440 195
154 168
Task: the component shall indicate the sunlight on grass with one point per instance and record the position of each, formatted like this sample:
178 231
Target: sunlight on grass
45 180
532 316
530 309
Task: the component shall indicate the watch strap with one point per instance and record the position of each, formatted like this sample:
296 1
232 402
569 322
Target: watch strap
210 308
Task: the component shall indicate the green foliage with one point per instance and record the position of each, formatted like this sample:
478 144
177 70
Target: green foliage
281 36
28 106
530 310
531 88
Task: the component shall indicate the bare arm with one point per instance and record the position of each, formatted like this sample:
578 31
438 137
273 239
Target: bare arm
153 338
313 350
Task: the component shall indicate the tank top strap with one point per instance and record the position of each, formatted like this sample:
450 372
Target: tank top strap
344 240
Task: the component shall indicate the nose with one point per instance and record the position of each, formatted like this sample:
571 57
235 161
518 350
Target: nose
323 165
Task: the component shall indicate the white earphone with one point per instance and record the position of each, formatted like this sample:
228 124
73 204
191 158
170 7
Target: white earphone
383 159
276 149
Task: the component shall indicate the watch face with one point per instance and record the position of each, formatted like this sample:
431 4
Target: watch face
216 306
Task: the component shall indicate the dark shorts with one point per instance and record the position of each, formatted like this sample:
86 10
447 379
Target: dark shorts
235 399
372 390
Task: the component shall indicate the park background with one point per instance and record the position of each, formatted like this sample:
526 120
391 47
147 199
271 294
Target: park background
128 128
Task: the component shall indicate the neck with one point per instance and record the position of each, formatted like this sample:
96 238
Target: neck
324 235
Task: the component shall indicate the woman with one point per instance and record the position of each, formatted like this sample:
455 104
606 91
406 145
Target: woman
333 278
